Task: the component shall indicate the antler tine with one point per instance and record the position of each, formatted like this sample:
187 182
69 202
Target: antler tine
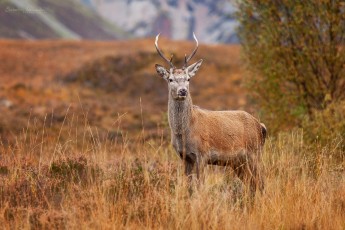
186 60
161 54
171 58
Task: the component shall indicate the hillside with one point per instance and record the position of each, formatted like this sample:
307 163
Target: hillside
212 21
44 19
107 80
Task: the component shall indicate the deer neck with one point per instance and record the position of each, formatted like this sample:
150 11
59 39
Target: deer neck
180 113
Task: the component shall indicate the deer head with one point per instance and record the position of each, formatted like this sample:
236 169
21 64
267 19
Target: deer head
178 79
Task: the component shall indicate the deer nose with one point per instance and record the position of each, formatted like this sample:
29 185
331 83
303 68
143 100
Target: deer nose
182 92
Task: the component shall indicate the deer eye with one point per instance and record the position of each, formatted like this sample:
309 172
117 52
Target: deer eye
170 80
188 79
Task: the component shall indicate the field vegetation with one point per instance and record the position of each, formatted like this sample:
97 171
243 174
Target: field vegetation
55 184
85 145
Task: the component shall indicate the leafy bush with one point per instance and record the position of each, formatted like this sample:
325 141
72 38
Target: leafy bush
327 126
295 51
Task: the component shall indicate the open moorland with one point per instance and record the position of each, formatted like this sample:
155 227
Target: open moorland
84 144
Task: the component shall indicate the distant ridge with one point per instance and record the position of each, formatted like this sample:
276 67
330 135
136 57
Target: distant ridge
213 21
49 19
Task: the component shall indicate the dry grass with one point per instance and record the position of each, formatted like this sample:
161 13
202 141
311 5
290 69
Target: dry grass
99 185
79 157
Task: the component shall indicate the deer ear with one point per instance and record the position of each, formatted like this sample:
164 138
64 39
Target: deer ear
193 68
162 71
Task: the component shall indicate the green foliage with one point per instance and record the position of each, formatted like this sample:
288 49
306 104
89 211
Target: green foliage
295 52
327 127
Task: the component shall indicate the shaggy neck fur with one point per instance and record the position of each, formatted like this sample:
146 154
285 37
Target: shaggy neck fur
180 113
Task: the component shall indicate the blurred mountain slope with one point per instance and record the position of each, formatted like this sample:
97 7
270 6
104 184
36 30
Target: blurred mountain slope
42 19
213 21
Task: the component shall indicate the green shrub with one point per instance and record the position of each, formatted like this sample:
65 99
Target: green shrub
295 53
327 127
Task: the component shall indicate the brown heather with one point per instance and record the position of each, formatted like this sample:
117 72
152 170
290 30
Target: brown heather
56 186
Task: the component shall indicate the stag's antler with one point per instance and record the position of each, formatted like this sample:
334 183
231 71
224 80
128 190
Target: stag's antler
161 54
186 60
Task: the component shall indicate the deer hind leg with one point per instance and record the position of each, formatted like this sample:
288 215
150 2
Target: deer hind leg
258 174
249 171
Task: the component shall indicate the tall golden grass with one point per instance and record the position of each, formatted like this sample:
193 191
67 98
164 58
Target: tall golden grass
66 172
92 183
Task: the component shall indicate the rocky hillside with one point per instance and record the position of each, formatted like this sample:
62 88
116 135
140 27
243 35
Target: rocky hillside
42 19
212 21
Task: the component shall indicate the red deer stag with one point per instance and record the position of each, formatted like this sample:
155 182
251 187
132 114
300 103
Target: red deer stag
199 136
